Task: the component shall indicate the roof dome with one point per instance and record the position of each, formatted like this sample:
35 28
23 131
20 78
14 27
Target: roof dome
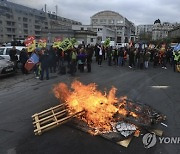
157 21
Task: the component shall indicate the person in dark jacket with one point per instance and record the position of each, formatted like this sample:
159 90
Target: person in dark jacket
89 58
141 60
44 62
52 60
131 58
23 58
121 57
13 56
156 58
109 55
81 59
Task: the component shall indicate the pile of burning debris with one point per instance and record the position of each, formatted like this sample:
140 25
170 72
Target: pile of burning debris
98 113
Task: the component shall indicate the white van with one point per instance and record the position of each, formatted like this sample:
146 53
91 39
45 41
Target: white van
4 51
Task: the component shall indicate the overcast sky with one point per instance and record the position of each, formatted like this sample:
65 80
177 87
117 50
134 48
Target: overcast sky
137 11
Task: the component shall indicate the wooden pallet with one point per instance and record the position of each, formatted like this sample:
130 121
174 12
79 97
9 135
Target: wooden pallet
51 118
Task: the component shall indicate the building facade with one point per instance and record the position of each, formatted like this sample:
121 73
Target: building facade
17 22
160 30
175 34
102 32
140 29
124 29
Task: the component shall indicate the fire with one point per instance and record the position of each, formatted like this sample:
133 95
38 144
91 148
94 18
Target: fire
99 108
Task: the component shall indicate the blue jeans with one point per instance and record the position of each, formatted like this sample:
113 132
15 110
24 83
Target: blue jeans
120 61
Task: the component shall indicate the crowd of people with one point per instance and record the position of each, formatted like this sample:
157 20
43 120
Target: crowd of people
138 57
56 60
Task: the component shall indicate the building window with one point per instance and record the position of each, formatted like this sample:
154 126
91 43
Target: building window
92 40
25 19
99 29
94 21
82 28
111 21
102 21
8 29
25 25
8 23
37 27
25 31
9 36
119 21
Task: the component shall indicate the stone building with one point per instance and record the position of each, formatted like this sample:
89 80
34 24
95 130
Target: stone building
124 29
160 30
175 34
102 32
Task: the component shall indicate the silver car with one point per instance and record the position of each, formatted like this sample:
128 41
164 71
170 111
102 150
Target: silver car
6 67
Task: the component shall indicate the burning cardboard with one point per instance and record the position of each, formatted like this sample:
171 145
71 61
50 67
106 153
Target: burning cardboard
125 129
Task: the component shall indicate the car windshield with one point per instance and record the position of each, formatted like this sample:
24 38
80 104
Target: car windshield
1 51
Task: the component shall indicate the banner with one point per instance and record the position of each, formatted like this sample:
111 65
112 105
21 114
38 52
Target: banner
177 48
65 44
57 42
42 43
34 59
30 43
107 42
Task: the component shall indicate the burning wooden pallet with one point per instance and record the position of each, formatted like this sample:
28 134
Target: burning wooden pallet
58 115
51 118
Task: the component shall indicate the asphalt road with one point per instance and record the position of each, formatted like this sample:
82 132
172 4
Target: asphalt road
22 95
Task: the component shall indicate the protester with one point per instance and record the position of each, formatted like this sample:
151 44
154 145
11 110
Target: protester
23 58
44 62
13 56
121 57
164 60
109 55
73 62
52 60
115 57
89 58
81 60
146 59
131 58
176 60
100 55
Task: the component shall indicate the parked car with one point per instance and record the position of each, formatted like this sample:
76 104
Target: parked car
6 67
4 51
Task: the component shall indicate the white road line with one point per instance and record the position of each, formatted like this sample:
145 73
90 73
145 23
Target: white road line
160 87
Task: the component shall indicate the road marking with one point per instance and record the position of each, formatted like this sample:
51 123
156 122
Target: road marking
160 87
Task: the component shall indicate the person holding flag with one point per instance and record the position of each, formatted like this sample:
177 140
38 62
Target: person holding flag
32 61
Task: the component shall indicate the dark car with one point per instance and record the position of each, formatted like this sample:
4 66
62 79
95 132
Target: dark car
6 67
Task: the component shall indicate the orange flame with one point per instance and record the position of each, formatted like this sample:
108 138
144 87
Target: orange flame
99 108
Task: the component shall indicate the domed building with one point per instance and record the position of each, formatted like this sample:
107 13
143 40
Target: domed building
160 30
124 29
